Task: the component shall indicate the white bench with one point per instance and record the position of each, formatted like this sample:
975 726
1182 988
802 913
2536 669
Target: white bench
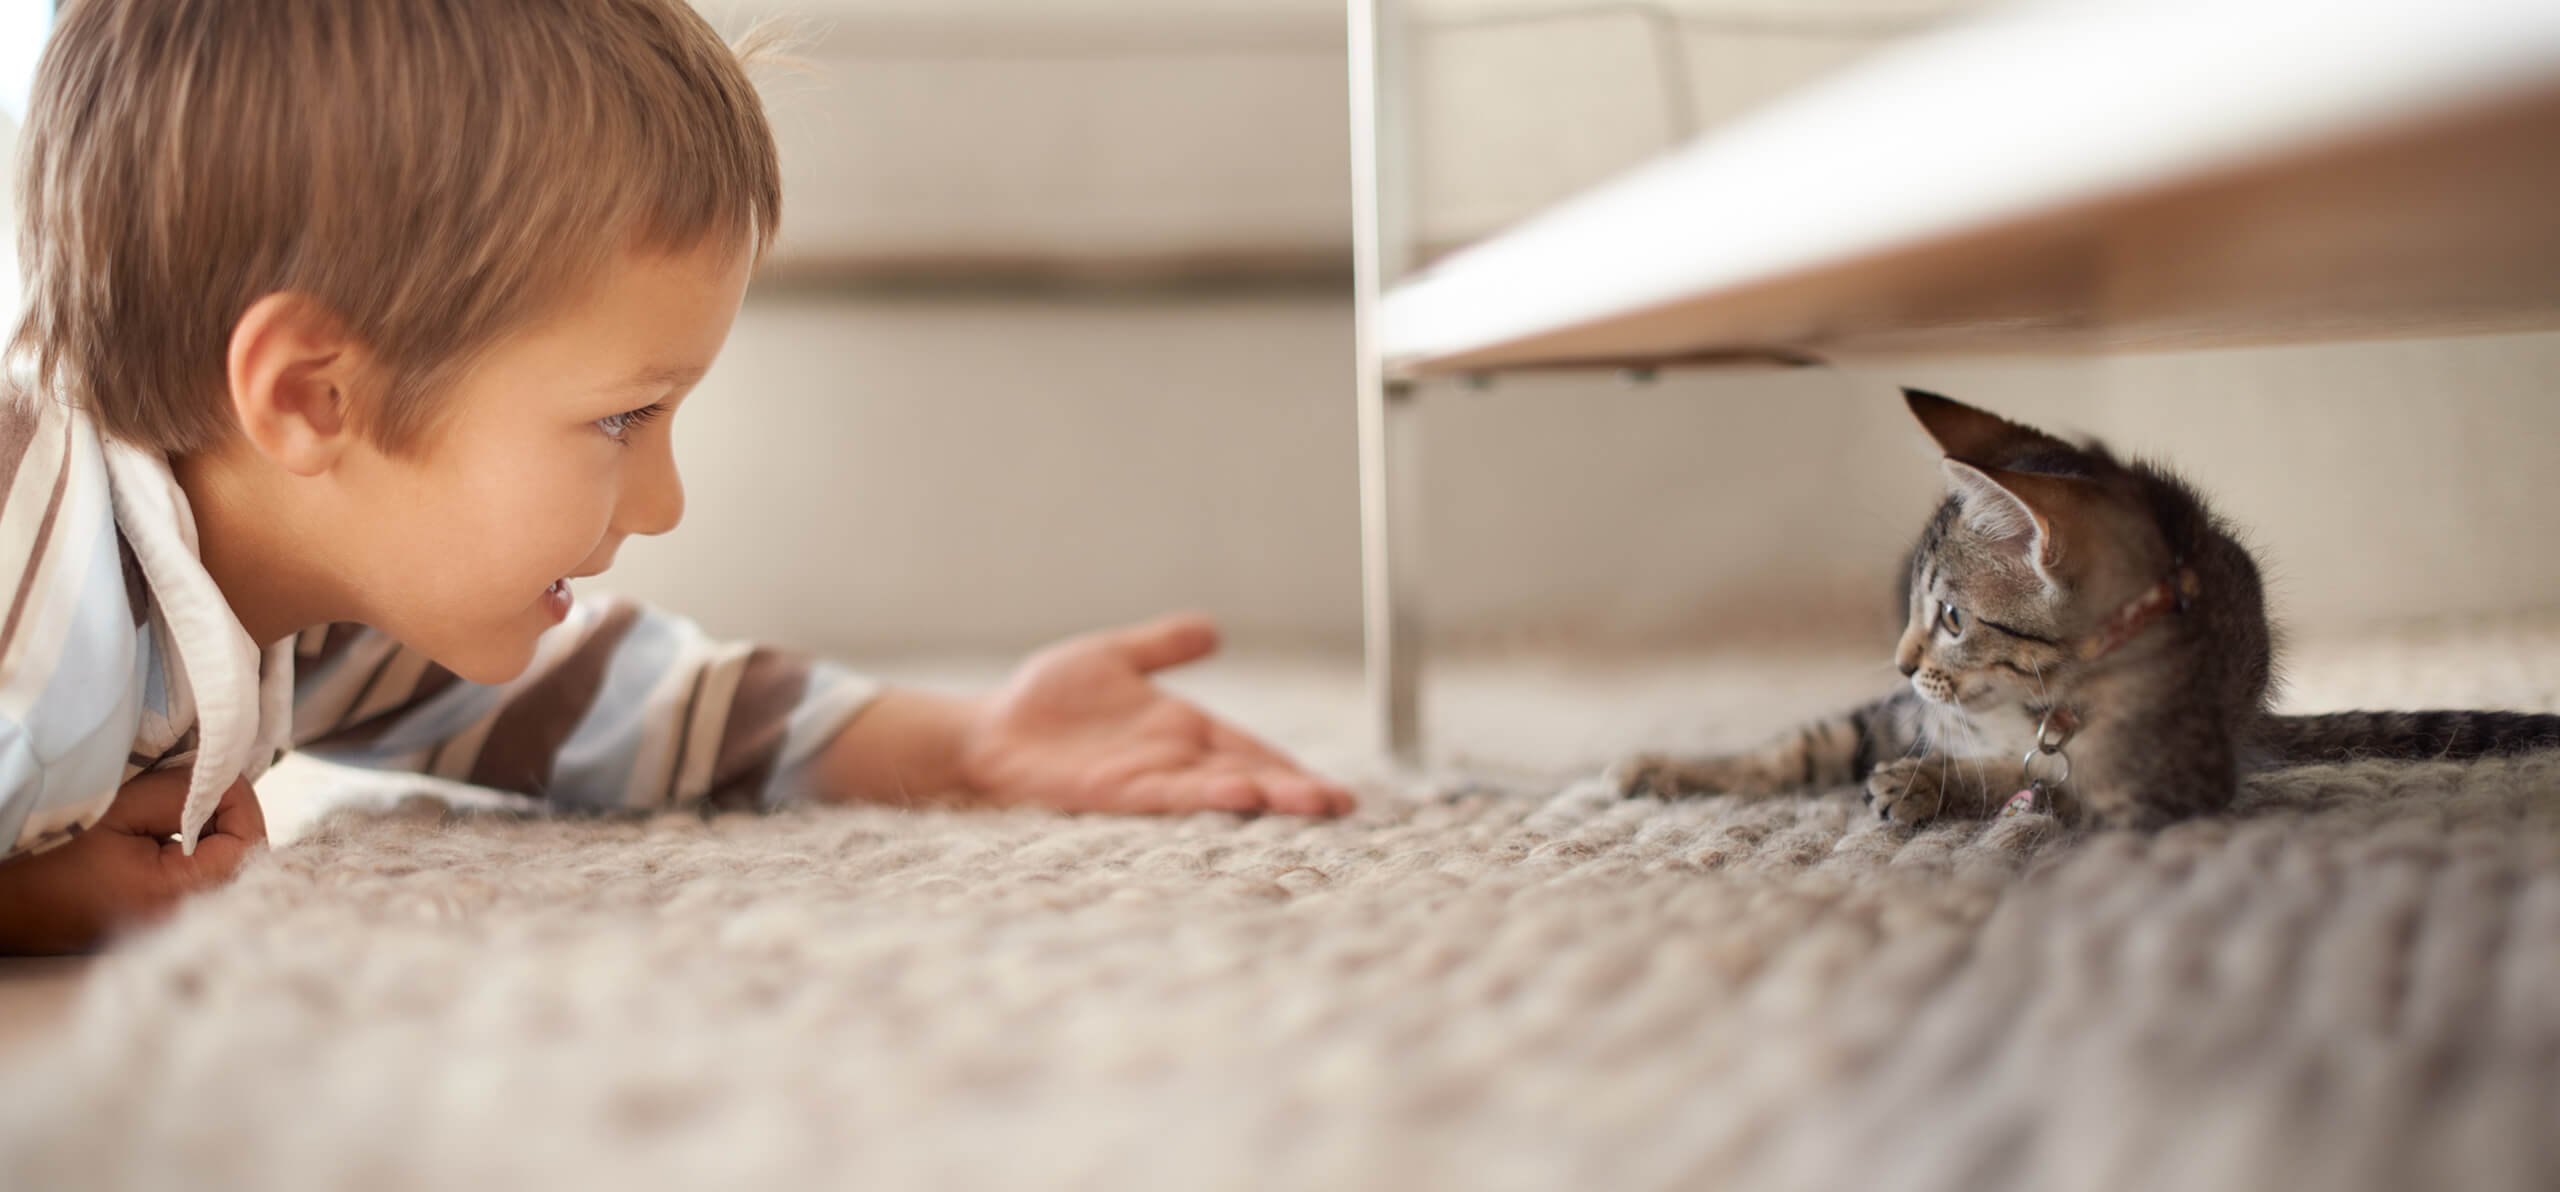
2095 174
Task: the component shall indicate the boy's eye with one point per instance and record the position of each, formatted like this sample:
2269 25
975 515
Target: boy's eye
618 426
1951 619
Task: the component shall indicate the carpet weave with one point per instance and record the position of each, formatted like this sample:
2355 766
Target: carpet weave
1500 977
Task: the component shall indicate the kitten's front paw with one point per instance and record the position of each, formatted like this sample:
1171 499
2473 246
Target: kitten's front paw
1653 776
1907 791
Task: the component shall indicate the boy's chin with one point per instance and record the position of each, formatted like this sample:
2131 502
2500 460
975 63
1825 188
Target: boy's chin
490 660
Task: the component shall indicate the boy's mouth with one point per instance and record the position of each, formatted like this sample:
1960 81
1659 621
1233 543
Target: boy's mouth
556 599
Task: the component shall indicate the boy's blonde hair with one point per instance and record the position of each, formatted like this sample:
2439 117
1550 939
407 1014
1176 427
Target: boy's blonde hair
435 173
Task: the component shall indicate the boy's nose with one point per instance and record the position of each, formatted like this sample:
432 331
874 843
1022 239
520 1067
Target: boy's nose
654 501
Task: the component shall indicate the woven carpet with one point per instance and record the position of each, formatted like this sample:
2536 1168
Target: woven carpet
1495 976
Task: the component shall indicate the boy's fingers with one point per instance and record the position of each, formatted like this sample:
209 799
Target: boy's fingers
1162 793
217 860
149 805
1244 789
1230 792
238 814
1297 794
1167 641
237 825
153 804
1293 789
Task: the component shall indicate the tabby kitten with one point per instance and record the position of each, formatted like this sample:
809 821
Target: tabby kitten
2094 604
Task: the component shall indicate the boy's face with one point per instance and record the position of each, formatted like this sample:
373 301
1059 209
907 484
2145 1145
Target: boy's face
553 449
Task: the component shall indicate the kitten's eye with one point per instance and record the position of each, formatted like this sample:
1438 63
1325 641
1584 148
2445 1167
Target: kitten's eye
1951 619
618 426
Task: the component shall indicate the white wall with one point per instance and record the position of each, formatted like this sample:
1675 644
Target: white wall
9 283
881 477
877 476
22 27
873 476
1154 136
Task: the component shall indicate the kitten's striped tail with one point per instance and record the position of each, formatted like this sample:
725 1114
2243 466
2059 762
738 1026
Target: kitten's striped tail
2449 735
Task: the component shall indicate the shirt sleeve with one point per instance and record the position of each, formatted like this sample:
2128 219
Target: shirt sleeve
72 662
622 707
51 791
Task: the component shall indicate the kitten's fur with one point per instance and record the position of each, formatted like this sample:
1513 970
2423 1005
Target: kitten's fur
2047 552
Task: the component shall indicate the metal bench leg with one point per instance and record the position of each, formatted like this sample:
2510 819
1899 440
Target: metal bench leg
1382 248
1391 616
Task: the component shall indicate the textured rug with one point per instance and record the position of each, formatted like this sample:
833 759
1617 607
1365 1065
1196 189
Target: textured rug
1495 977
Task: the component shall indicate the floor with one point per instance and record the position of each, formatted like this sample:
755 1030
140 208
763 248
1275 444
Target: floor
1496 975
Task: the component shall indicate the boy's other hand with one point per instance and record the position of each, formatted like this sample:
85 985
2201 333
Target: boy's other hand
125 870
1082 727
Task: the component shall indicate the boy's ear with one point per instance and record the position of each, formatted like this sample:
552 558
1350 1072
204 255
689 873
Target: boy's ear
292 368
1976 436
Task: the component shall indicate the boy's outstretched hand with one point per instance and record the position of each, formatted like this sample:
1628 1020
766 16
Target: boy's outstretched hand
1079 727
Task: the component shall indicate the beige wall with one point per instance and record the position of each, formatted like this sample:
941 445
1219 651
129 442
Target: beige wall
873 477
990 473
1154 136
881 477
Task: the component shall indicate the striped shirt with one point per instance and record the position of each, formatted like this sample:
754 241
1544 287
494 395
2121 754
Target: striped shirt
119 656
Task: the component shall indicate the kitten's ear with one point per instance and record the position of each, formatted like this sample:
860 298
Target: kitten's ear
2020 508
1978 436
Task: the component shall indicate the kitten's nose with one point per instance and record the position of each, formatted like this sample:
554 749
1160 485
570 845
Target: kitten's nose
1908 668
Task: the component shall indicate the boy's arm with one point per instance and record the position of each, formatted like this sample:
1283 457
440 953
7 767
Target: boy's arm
625 707
903 748
622 707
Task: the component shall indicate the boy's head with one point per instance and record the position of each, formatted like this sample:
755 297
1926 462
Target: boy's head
434 173
402 287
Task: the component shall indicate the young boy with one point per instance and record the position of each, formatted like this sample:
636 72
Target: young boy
354 335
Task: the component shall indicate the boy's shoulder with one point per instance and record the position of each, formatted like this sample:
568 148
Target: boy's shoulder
40 466
47 452
71 591
23 417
